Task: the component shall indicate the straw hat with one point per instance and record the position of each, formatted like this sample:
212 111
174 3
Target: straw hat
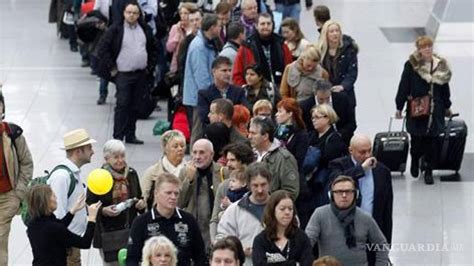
76 138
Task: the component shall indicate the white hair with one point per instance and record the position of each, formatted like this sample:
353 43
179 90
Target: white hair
152 244
206 142
113 146
245 3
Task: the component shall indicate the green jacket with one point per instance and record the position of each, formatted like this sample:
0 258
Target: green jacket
284 170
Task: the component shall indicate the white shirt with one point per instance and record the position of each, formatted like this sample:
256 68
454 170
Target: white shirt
59 182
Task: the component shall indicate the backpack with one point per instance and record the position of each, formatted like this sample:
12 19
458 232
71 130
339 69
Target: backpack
43 180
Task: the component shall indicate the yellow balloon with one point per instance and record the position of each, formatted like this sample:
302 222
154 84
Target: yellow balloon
100 181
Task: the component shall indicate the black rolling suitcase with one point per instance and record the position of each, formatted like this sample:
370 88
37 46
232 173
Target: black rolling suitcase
391 148
450 145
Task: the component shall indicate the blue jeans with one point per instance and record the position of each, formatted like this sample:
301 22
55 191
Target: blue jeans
103 87
292 11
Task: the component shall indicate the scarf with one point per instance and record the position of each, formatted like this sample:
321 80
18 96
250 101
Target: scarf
284 133
205 173
170 168
120 188
346 218
235 195
438 72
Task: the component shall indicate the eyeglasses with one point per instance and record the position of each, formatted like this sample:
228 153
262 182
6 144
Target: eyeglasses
316 117
342 192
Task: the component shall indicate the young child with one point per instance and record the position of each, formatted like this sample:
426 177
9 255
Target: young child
237 189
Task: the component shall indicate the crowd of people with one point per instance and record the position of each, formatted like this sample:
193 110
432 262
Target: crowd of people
276 175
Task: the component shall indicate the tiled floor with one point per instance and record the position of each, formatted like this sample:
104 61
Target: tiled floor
47 93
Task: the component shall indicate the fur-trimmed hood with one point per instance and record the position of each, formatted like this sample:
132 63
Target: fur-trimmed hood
441 71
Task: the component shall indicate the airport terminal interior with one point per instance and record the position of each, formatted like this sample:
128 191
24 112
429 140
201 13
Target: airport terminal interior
48 93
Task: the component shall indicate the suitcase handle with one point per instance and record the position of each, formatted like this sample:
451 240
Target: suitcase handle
403 123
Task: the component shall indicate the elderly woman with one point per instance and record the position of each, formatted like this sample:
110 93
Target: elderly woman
329 144
179 31
49 236
282 240
299 76
113 222
339 58
159 251
173 145
294 38
425 75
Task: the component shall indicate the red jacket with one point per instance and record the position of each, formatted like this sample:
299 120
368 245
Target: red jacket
245 57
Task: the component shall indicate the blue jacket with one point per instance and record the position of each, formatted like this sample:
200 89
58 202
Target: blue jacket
197 73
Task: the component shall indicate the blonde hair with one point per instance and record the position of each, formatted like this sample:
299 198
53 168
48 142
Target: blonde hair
423 41
169 136
153 244
323 40
311 52
261 104
327 111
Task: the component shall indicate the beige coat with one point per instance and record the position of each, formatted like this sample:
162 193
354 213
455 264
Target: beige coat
19 163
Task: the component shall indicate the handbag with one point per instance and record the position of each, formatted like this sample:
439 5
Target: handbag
115 240
419 106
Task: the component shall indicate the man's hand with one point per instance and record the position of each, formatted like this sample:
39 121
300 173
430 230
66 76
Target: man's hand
110 211
448 112
140 205
248 251
190 171
369 163
225 202
398 114
337 88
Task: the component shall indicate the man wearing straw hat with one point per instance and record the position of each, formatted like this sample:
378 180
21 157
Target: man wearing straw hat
16 170
78 147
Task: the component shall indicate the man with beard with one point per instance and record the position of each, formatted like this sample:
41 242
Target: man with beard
343 230
263 48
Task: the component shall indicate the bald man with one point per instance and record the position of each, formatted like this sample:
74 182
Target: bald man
200 178
373 180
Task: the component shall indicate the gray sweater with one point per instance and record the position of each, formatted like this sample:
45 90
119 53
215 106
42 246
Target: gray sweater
325 229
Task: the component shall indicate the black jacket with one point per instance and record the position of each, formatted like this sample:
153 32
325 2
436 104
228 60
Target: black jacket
308 3
119 222
182 229
383 191
298 145
205 98
413 84
111 44
346 68
346 125
298 250
330 144
49 239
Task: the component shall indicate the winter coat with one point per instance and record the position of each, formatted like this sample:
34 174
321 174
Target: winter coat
267 91
230 50
197 73
308 3
121 221
211 93
17 159
296 84
251 52
111 44
345 66
284 168
415 82
239 220
298 251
